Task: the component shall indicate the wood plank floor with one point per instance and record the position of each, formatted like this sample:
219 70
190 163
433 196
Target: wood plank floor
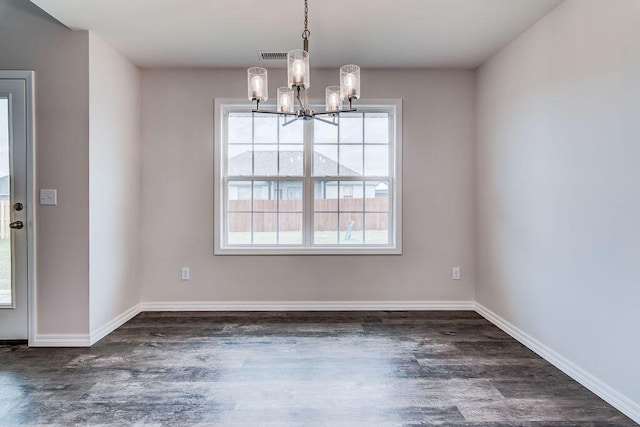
296 369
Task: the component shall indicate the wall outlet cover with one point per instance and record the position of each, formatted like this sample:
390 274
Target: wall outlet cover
48 197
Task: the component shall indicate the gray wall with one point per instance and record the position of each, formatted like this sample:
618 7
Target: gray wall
115 178
558 201
31 40
438 223
88 147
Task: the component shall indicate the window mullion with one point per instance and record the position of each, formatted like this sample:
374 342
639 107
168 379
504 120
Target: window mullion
278 189
308 196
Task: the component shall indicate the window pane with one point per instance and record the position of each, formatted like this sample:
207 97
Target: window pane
324 133
265 129
325 227
264 196
291 133
290 196
239 228
265 228
376 128
244 192
240 160
377 199
265 160
376 160
325 160
351 160
325 196
290 229
239 128
351 228
266 181
291 160
351 196
6 297
376 228
239 195
351 128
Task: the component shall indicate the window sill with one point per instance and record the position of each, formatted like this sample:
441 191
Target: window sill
328 250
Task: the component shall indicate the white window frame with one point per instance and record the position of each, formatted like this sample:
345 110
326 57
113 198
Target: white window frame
392 106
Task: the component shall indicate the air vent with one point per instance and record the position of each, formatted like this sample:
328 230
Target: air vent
272 56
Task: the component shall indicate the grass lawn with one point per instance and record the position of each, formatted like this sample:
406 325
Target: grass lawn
5 264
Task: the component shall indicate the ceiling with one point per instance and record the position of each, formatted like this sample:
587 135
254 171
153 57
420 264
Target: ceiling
370 33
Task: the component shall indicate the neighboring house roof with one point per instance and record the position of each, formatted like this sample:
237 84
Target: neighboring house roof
5 185
289 163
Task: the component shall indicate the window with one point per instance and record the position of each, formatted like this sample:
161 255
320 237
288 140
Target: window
308 186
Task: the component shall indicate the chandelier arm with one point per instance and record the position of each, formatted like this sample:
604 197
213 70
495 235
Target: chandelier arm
324 120
319 113
279 113
289 122
302 106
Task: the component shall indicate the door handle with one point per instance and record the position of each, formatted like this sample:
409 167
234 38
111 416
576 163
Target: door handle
16 225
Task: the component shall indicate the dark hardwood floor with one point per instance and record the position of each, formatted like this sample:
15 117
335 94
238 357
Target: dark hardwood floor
296 369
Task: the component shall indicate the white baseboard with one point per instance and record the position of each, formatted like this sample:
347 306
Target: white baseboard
611 396
306 305
114 324
87 340
62 340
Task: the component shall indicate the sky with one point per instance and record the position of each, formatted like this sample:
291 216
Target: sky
4 136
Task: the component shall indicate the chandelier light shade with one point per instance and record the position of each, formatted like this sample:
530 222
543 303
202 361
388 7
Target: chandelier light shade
257 83
286 101
332 100
298 68
349 82
293 100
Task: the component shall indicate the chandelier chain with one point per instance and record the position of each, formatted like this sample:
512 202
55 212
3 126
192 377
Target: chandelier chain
306 33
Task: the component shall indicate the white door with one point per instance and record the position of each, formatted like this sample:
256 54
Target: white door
15 133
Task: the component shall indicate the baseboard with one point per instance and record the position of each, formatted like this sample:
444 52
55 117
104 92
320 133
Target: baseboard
306 305
84 340
62 340
114 324
606 393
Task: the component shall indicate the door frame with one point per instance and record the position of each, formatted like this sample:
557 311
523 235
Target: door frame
30 202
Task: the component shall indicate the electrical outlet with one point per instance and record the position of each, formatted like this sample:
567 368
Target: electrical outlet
455 273
186 275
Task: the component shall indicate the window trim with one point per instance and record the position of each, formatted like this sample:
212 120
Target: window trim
224 105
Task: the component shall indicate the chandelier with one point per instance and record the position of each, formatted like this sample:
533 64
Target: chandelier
292 100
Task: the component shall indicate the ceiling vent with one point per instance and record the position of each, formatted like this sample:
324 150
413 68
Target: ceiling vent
272 56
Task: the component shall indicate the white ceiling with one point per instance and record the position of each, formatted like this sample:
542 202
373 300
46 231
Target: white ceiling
370 33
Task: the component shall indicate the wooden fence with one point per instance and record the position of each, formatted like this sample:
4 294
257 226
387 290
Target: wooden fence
5 219
370 212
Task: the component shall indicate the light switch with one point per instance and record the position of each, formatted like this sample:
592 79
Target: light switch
48 197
